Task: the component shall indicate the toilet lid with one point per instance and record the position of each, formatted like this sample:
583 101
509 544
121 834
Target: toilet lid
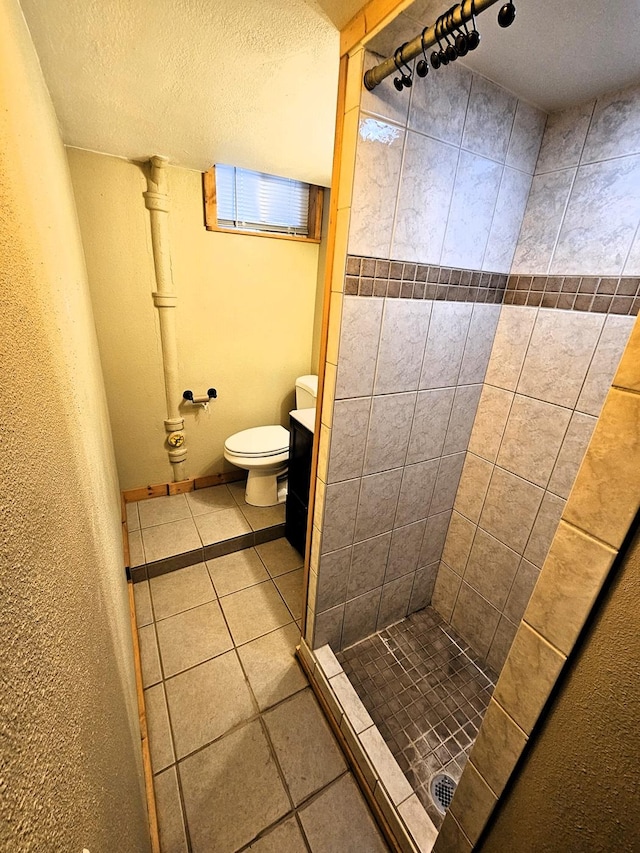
259 441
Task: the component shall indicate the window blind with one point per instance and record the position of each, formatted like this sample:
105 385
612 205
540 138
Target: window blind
255 201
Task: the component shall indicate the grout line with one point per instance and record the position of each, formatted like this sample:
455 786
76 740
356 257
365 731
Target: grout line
596 162
398 192
591 536
449 207
493 216
591 360
302 832
455 176
175 751
502 177
256 707
628 255
570 193
631 391
546 641
468 658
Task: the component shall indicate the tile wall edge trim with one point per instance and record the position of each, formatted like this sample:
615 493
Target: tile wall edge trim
319 684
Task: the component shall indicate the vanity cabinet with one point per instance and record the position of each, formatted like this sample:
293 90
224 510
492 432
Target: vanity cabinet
299 479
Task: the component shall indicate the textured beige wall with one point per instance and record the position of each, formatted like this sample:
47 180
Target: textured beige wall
70 766
245 317
578 787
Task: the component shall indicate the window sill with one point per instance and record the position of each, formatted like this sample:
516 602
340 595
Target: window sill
272 234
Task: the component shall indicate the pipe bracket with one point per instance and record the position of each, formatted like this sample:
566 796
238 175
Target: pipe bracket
164 300
157 201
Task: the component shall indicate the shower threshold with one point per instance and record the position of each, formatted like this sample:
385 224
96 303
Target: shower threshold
409 701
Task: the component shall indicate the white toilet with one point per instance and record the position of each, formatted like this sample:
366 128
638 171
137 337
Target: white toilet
264 451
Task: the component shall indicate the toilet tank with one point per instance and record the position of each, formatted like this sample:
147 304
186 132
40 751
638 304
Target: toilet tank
306 391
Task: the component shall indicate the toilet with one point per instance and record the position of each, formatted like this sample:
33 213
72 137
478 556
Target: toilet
264 451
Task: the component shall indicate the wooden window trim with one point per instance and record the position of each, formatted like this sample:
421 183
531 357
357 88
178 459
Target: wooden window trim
316 199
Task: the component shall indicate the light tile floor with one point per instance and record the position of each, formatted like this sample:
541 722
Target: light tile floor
164 527
242 756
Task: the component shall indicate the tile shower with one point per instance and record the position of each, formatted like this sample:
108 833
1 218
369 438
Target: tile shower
491 284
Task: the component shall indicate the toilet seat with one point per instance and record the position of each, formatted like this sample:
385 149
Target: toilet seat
258 442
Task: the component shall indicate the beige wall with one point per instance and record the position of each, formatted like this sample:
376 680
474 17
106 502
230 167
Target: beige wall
245 317
577 789
70 759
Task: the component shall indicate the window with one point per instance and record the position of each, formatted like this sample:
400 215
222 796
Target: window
246 202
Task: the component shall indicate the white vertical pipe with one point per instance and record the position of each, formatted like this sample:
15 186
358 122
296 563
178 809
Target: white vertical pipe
164 298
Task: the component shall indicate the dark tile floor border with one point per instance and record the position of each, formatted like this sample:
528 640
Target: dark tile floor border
400 280
208 552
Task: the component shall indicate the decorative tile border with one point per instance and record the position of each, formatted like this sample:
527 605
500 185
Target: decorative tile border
603 295
400 280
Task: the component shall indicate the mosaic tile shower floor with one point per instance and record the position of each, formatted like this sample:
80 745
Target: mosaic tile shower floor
427 693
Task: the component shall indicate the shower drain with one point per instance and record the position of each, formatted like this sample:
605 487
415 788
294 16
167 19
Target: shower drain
442 790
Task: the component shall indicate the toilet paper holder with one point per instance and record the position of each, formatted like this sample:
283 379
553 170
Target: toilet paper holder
210 395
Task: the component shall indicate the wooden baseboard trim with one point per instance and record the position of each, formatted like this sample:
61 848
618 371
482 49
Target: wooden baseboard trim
154 833
125 545
353 764
163 489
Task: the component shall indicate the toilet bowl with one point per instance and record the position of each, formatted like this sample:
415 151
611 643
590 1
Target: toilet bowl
264 451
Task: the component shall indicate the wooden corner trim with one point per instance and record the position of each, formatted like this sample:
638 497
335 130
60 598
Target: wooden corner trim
366 20
144 734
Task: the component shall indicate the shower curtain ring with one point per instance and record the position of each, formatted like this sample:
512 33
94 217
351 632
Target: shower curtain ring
422 68
462 48
507 15
473 37
439 57
452 53
404 79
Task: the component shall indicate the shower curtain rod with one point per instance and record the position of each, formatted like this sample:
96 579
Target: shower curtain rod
460 15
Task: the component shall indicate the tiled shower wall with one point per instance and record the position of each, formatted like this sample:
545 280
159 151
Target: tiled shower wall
583 211
443 171
549 373
443 178
549 370
417 204
401 423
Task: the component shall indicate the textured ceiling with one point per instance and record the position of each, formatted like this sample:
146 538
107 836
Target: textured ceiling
253 82
556 54
247 82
